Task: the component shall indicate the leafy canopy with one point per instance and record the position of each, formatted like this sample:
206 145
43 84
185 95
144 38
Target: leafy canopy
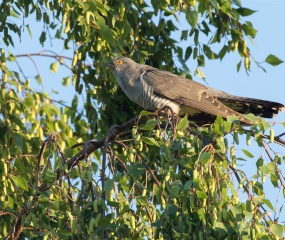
145 178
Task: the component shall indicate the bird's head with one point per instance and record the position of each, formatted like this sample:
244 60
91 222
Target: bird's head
120 65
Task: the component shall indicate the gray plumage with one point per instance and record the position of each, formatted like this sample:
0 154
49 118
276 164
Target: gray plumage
153 88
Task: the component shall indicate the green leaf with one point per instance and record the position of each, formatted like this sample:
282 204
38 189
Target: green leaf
236 210
19 182
19 165
175 188
104 31
214 4
201 60
43 38
149 125
232 119
271 166
29 30
13 13
200 73
69 152
65 81
273 60
64 233
237 2
150 141
157 224
251 117
209 53
201 213
54 67
109 186
221 143
201 194
192 17
137 170
143 200
205 157
50 109
248 29
102 8
187 185
223 51
184 65
206 29
268 168
17 121
264 169
49 176
11 57
29 101
236 35
274 179
188 53
184 35
269 204
18 140
54 91
248 215
247 153
245 11
38 79
276 229
145 113
238 66
221 229
172 210
183 123
3 131
242 225
258 188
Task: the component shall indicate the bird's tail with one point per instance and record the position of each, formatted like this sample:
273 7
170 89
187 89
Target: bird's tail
244 105
262 108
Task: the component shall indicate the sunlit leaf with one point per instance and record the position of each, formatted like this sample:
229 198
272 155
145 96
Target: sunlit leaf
249 30
201 194
247 153
19 181
104 30
150 141
200 73
273 60
149 125
183 123
277 229
65 81
205 157
54 67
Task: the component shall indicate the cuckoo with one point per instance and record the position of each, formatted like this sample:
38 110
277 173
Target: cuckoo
153 88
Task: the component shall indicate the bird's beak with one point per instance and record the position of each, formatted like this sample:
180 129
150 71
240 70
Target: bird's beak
110 65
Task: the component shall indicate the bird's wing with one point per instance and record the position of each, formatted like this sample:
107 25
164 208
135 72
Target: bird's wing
187 93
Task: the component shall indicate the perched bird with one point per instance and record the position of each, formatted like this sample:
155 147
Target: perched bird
154 88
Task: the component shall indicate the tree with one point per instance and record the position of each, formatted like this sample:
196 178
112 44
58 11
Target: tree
144 177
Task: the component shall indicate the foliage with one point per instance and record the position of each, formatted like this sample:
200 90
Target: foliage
162 180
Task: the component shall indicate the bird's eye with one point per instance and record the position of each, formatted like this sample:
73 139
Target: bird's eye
119 62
